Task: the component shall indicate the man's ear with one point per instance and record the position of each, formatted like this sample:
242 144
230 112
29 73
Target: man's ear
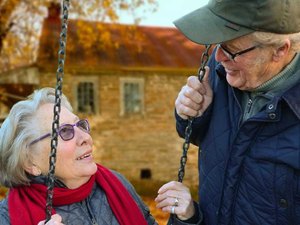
282 51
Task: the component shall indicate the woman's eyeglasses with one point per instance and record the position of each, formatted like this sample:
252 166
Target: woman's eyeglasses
66 131
231 55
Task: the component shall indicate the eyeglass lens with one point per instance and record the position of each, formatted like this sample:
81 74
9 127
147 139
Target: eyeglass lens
66 131
231 55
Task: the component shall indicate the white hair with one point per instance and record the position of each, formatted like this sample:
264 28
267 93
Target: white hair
277 40
17 131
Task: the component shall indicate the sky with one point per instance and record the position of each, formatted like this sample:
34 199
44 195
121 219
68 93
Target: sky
168 11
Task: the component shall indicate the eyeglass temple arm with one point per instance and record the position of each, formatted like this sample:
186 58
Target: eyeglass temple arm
41 138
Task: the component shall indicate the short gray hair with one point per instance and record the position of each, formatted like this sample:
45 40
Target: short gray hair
267 38
17 131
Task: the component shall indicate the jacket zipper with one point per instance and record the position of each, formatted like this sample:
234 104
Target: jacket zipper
248 109
85 204
94 222
249 105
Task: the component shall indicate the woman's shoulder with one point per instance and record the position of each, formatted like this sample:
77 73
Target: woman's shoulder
123 180
4 217
3 205
128 186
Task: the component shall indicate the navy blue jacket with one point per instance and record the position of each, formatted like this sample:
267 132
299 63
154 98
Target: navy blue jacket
249 172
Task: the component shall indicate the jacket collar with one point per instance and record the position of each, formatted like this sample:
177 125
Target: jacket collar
291 96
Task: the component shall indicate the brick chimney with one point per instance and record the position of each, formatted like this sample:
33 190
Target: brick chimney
54 12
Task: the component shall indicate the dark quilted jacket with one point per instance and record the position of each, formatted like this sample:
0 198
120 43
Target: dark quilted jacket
94 210
250 171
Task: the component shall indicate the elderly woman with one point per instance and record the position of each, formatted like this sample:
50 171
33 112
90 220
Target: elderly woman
84 192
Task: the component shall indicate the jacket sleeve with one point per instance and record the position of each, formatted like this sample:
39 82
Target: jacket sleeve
144 208
197 219
200 124
4 216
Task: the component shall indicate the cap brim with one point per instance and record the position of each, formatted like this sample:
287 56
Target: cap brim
204 27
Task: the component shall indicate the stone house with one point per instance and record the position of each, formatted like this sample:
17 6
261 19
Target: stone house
127 92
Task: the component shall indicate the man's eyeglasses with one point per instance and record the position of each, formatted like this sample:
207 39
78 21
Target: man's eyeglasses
66 131
231 55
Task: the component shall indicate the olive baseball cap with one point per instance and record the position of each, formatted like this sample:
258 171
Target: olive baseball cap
223 20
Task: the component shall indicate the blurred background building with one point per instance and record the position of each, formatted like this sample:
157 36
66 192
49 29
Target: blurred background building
124 79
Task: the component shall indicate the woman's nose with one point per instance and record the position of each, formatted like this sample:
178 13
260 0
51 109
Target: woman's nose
83 136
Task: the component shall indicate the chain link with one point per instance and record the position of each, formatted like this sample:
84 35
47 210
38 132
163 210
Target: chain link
57 107
188 129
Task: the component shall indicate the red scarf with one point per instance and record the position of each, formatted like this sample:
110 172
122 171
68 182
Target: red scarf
26 204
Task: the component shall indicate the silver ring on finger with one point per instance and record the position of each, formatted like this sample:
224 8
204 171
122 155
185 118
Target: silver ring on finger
176 202
173 209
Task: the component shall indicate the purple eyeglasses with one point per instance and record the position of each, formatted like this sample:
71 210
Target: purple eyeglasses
66 131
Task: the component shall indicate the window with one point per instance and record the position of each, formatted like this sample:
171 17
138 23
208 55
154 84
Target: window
132 96
85 92
145 174
85 97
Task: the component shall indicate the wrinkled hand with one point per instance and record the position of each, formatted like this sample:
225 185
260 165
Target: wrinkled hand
166 199
194 97
55 220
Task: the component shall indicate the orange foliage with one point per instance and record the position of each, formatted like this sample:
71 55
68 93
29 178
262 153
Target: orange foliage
20 24
3 192
160 217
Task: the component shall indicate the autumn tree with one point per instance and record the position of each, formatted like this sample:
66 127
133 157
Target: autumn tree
20 23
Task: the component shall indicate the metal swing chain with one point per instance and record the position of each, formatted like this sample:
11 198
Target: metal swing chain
188 129
57 107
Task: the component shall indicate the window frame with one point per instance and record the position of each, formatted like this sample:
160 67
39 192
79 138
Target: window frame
141 84
83 79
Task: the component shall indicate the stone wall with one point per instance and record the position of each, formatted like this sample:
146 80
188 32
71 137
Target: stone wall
143 142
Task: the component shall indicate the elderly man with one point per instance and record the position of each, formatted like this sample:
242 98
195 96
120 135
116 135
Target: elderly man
246 111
